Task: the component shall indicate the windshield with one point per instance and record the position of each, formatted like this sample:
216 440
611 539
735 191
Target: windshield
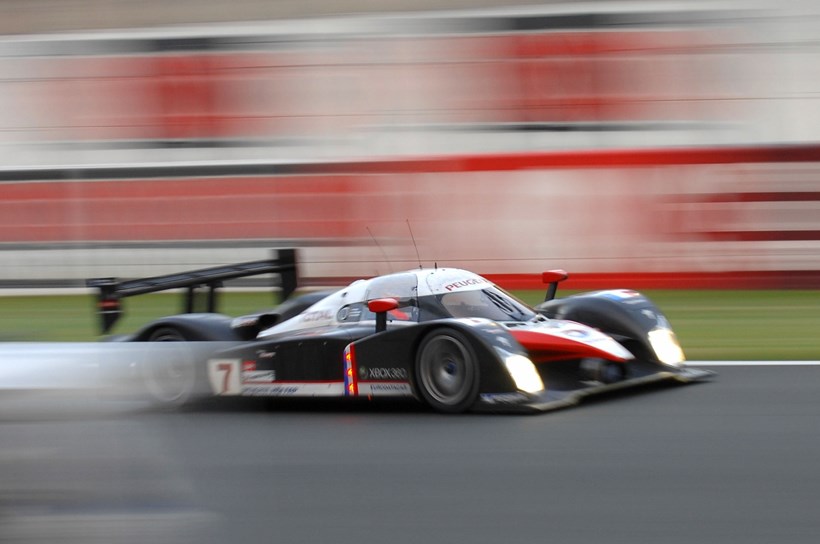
491 303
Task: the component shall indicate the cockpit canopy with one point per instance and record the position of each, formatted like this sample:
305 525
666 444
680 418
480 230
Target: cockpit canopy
446 293
422 295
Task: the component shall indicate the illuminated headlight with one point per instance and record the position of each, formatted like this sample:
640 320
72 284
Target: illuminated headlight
523 373
666 346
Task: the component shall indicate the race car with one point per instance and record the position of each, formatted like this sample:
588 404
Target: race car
447 337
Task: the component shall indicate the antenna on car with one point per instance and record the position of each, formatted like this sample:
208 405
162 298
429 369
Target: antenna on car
413 238
378 245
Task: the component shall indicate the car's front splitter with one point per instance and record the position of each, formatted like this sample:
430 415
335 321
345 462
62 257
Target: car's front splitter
554 399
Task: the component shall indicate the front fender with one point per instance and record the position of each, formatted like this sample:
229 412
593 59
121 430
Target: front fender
627 316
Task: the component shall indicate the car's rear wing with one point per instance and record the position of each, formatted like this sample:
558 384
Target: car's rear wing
111 290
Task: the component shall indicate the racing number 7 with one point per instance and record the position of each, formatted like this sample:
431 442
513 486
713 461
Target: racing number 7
226 368
223 375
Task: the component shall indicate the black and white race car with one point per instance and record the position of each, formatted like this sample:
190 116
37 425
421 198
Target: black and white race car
447 337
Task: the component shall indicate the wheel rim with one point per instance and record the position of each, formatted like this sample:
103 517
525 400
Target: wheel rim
445 370
169 382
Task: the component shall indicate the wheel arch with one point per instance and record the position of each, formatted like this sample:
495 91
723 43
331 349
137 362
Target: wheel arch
485 338
401 346
627 316
192 327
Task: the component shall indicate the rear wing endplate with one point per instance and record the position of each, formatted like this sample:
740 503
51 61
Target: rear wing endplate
111 290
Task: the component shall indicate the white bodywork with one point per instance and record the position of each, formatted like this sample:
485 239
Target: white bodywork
429 282
441 281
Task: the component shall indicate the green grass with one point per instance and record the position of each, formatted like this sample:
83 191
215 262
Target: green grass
719 325
74 318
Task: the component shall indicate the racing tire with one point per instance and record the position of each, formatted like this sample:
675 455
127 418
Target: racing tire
447 372
167 334
170 383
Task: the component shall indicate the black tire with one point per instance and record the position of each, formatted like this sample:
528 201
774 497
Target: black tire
169 382
447 372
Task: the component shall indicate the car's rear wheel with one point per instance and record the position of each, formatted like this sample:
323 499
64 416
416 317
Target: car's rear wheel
166 334
170 378
447 373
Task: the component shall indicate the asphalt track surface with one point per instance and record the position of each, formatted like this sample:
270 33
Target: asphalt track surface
734 460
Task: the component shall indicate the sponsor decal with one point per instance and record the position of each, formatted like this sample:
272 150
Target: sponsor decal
575 333
259 376
318 315
460 284
248 366
301 389
390 388
260 354
270 390
382 373
624 295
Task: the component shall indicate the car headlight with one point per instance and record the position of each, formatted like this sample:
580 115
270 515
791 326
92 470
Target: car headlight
666 346
523 373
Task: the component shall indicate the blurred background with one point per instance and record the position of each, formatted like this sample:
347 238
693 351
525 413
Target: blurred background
640 144
677 143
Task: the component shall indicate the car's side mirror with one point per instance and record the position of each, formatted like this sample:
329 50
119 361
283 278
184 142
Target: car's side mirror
380 307
553 278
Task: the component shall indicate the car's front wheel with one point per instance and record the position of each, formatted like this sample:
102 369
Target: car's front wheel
447 372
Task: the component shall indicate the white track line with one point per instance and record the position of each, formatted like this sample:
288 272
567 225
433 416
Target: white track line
752 363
